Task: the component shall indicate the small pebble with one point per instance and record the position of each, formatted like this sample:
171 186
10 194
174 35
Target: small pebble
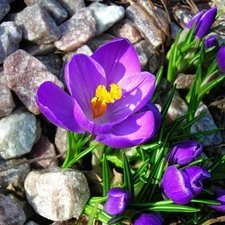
4 8
10 213
206 123
13 172
76 31
6 100
105 15
10 37
37 25
55 10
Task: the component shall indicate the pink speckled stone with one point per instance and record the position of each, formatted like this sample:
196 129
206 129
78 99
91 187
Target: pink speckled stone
76 31
25 74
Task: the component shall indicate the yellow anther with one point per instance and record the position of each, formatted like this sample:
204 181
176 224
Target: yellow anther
103 97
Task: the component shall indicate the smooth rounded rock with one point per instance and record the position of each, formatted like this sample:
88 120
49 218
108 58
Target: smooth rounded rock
57 194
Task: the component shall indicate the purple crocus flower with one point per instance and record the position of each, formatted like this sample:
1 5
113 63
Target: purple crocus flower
219 197
220 58
210 42
118 199
107 94
204 21
184 152
147 219
181 186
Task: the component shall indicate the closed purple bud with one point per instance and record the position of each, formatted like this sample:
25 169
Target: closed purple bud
195 19
210 42
147 219
219 197
220 58
184 152
205 23
118 199
181 186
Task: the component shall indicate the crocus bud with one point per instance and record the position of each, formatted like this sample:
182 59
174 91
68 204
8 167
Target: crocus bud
205 22
195 19
210 42
181 186
184 152
219 197
220 58
147 219
118 199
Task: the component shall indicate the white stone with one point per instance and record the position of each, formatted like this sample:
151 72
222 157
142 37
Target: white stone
57 194
17 134
105 15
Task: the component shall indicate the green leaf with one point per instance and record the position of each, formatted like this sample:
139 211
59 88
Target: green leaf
128 178
105 175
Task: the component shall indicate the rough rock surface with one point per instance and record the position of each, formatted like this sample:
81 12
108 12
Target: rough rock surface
10 213
76 31
37 25
25 74
17 134
57 194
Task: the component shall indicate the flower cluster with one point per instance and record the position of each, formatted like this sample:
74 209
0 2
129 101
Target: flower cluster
108 97
181 186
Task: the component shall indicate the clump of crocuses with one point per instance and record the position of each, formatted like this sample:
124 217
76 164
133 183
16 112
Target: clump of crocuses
147 219
181 186
184 152
118 199
219 196
107 94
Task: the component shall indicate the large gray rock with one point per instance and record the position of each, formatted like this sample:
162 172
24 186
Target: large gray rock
57 194
17 134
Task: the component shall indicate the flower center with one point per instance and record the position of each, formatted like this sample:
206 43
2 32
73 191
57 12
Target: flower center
103 97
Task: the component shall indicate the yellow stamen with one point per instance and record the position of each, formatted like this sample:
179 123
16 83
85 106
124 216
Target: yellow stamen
103 97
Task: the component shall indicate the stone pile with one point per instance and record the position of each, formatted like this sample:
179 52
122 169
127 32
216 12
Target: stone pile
37 37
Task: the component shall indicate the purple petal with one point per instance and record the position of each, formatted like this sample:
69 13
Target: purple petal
135 130
194 19
196 175
147 219
118 58
205 23
184 152
220 58
210 42
57 106
118 199
83 75
137 90
175 185
220 197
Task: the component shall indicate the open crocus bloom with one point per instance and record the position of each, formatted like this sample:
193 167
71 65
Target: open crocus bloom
108 94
